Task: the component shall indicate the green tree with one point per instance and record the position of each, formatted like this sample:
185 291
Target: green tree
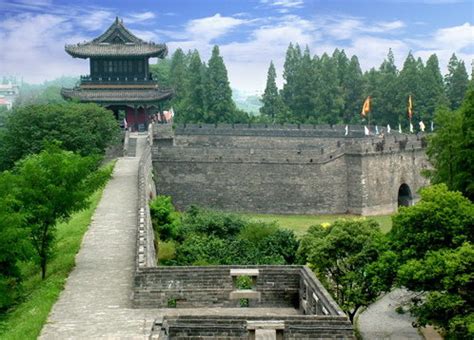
178 78
441 219
161 72
343 256
303 106
385 101
409 84
52 185
272 103
83 128
220 106
444 278
450 148
14 245
433 240
329 100
353 91
457 82
290 75
433 88
194 104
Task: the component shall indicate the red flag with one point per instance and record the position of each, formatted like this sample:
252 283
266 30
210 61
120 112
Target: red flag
410 107
366 107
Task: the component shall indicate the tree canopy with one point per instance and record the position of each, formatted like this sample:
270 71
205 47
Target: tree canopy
434 243
451 147
345 257
51 186
83 128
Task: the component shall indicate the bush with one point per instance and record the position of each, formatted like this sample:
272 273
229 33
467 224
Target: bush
164 217
166 252
208 222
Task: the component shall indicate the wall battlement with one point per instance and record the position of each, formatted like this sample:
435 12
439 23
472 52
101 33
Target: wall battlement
288 169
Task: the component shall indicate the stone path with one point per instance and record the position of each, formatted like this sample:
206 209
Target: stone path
381 321
96 300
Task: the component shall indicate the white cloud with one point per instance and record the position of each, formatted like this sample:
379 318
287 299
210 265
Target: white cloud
342 28
210 28
284 3
139 17
96 20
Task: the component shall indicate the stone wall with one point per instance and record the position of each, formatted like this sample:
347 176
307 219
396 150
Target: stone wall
286 169
212 286
145 250
240 328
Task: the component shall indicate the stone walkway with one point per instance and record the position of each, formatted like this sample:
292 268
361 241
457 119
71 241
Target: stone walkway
380 321
96 300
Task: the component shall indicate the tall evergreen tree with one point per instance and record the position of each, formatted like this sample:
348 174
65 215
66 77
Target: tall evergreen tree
290 70
409 84
353 91
457 82
303 108
272 103
220 106
433 90
387 101
178 78
329 95
372 88
193 108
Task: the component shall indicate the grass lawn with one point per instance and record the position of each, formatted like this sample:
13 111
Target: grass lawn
27 318
300 223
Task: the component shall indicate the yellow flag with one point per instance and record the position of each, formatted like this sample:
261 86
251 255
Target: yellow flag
410 107
366 107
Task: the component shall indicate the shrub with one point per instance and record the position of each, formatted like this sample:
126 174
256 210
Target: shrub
164 217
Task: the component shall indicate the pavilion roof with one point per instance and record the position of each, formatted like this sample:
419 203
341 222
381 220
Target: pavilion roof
117 41
119 95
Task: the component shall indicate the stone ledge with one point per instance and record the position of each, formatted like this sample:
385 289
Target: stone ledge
266 324
244 294
242 272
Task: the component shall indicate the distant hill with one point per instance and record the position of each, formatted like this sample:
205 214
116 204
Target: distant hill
247 101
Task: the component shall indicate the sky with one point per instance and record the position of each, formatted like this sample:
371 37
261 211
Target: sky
250 33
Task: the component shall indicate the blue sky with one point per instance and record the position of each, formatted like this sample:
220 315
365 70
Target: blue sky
250 32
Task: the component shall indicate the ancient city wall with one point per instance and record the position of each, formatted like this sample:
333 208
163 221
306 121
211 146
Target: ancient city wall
244 328
145 249
286 169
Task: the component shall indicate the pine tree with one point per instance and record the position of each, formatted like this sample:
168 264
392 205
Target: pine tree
372 88
220 106
272 103
457 82
329 97
409 84
387 102
290 69
193 107
433 88
353 91
178 79
303 107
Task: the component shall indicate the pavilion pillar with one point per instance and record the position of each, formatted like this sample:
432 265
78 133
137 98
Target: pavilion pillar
135 118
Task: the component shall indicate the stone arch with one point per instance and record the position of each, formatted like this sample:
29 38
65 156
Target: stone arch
405 197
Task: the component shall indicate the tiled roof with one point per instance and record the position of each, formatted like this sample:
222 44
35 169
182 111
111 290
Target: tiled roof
117 41
88 50
116 95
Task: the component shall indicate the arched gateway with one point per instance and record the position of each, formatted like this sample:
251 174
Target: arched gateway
405 198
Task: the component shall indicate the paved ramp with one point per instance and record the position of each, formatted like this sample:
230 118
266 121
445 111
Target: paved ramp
96 300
